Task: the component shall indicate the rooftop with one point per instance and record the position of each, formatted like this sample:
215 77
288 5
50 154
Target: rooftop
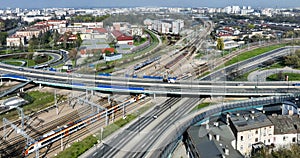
249 119
199 135
285 124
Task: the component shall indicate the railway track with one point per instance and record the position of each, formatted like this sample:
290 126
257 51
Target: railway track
85 131
13 146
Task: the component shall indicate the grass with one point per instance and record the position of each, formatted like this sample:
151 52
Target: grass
78 148
276 66
12 62
199 55
200 106
137 43
125 48
250 54
204 74
244 77
292 77
41 100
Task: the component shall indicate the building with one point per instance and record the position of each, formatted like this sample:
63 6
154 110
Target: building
89 24
122 38
218 139
250 127
286 131
15 41
112 57
166 26
94 33
121 26
136 30
35 30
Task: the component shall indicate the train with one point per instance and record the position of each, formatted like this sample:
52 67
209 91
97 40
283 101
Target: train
72 127
145 63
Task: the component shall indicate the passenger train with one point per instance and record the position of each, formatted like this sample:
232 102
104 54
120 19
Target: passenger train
72 127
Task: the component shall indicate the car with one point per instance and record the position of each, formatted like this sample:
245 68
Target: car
171 81
155 116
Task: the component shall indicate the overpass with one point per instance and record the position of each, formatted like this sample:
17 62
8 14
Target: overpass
211 86
193 88
15 88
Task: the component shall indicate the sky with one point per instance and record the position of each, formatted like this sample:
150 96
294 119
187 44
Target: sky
147 3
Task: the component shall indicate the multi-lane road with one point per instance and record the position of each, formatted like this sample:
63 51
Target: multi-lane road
137 139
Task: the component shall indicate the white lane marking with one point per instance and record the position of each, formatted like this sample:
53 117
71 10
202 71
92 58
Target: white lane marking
95 154
134 154
143 145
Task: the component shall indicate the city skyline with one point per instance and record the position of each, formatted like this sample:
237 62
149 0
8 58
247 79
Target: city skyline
145 3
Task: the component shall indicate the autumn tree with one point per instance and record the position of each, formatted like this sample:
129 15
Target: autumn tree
220 44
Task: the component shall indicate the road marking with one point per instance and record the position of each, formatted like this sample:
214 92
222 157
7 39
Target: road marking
151 137
134 154
143 145
95 154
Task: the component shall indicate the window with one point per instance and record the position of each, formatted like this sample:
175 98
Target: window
269 140
294 139
242 138
256 132
256 139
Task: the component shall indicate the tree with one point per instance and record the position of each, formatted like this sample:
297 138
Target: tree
3 36
78 40
33 42
65 39
55 37
220 44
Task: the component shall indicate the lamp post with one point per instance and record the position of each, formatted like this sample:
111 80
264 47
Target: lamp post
256 83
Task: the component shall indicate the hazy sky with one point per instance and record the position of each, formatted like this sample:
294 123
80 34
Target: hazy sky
156 3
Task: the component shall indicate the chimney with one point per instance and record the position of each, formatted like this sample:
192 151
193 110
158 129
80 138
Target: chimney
226 150
218 137
207 126
216 124
210 136
227 119
252 117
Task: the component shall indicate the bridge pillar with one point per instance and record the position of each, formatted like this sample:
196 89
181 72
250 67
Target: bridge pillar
40 86
1 82
113 117
106 117
124 112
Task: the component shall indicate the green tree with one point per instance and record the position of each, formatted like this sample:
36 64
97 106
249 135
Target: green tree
78 40
55 37
33 43
3 36
220 44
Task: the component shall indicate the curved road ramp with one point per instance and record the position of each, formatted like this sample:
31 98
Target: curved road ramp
13 89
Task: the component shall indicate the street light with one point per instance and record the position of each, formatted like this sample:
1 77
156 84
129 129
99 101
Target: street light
256 83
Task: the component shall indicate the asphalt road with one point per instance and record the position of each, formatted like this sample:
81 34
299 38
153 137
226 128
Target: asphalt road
113 146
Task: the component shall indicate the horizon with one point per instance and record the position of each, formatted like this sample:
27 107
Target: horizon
26 4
